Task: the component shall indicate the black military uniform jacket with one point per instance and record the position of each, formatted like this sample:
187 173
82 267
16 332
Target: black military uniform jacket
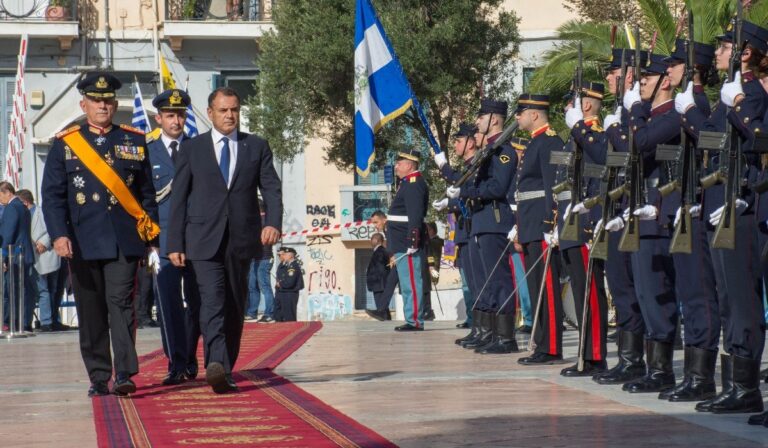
78 206
290 277
460 209
405 222
536 175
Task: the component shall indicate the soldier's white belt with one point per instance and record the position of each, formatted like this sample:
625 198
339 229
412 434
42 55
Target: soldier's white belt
563 196
397 218
528 195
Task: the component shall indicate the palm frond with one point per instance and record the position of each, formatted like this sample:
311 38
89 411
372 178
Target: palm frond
658 15
710 17
757 12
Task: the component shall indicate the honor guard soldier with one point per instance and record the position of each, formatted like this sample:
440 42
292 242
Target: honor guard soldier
465 147
289 283
492 218
536 228
101 213
181 328
407 235
583 114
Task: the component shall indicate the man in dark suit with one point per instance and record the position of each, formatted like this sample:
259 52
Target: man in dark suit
15 230
376 278
215 224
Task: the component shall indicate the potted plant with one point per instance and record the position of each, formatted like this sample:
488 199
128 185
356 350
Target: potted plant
58 10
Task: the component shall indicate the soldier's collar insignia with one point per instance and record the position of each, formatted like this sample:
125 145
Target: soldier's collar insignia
539 131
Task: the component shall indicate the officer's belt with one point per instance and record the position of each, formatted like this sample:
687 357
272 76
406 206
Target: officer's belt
563 196
528 195
163 193
397 218
148 230
513 207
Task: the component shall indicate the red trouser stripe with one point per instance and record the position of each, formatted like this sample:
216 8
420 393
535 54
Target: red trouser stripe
514 280
413 291
551 307
594 309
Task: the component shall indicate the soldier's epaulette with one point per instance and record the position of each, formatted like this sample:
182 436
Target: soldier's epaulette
149 138
131 129
596 127
68 131
551 132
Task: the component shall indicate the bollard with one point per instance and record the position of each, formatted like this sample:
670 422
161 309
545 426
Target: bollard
2 305
12 333
22 293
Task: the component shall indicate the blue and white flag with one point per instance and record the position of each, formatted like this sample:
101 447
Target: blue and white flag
190 126
140 119
382 92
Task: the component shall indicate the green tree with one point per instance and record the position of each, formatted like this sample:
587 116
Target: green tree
449 49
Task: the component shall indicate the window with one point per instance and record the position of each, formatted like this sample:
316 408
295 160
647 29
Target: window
6 108
527 76
148 82
243 82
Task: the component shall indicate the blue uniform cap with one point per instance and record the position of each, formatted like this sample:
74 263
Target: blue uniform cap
532 101
172 99
704 54
489 106
466 130
629 57
98 85
658 65
755 36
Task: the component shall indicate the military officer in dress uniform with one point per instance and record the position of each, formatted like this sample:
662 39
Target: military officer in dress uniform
535 227
179 342
289 283
492 218
407 235
102 231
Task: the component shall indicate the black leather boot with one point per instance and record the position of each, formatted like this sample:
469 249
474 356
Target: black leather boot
726 378
473 332
764 375
685 383
631 365
494 333
483 332
759 419
659 375
745 395
504 342
701 376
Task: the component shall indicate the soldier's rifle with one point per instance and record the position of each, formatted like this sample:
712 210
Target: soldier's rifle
485 153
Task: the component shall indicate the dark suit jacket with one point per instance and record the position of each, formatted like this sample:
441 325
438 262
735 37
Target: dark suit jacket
202 207
378 270
15 229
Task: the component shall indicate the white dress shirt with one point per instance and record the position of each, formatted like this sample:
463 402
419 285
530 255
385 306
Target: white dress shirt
218 144
167 142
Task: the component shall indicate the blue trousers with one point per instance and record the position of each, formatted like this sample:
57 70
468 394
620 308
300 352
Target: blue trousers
523 295
465 269
47 301
259 285
621 283
697 292
654 274
409 275
171 313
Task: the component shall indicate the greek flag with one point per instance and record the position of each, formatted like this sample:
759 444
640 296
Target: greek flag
382 93
140 119
190 126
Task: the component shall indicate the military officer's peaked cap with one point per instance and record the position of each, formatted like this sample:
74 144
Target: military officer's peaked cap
589 89
658 66
629 58
409 154
466 130
172 99
99 85
703 54
532 101
755 36
489 106
288 250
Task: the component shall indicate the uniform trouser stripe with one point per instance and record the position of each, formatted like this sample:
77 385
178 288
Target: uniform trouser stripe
594 309
551 307
413 291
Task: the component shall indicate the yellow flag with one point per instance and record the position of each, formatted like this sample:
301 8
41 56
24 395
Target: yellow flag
165 74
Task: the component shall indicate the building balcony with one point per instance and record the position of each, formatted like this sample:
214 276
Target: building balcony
205 19
40 20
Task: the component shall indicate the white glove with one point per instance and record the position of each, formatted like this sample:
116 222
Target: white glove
440 159
684 100
677 216
731 90
633 96
411 251
453 192
574 114
581 209
433 272
153 261
695 211
567 212
615 224
625 215
647 213
598 226
552 239
512 235
714 217
440 205
613 118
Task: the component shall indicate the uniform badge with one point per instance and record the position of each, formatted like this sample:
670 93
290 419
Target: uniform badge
504 158
96 197
130 152
80 198
175 99
291 271
101 83
551 132
67 153
78 182
129 180
112 199
100 140
108 158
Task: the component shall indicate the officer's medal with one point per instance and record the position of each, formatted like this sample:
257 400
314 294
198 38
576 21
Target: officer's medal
100 140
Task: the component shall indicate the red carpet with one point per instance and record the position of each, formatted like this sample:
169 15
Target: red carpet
269 411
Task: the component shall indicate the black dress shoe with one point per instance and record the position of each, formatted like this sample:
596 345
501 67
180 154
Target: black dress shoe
612 337
409 327
231 384
462 325
173 378
98 389
191 373
387 314
524 329
46 328
376 315
759 419
123 385
538 359
590 368
429 315
57 326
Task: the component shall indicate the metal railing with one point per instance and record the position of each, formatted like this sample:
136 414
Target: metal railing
39 10
14 274
219 10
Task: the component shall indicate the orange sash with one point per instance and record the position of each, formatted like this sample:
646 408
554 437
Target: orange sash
148 230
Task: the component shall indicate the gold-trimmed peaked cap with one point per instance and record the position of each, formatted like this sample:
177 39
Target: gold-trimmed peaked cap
409 154
172 99
99 85
532 101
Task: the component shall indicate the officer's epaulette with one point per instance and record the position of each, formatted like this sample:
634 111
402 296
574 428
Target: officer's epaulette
68 131
132 129
551 132
149 138
596 127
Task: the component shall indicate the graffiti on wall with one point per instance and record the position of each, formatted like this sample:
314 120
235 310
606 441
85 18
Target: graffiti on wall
359 233
322 214
328 306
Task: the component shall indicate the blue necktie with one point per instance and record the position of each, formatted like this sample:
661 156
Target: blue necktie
224 160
